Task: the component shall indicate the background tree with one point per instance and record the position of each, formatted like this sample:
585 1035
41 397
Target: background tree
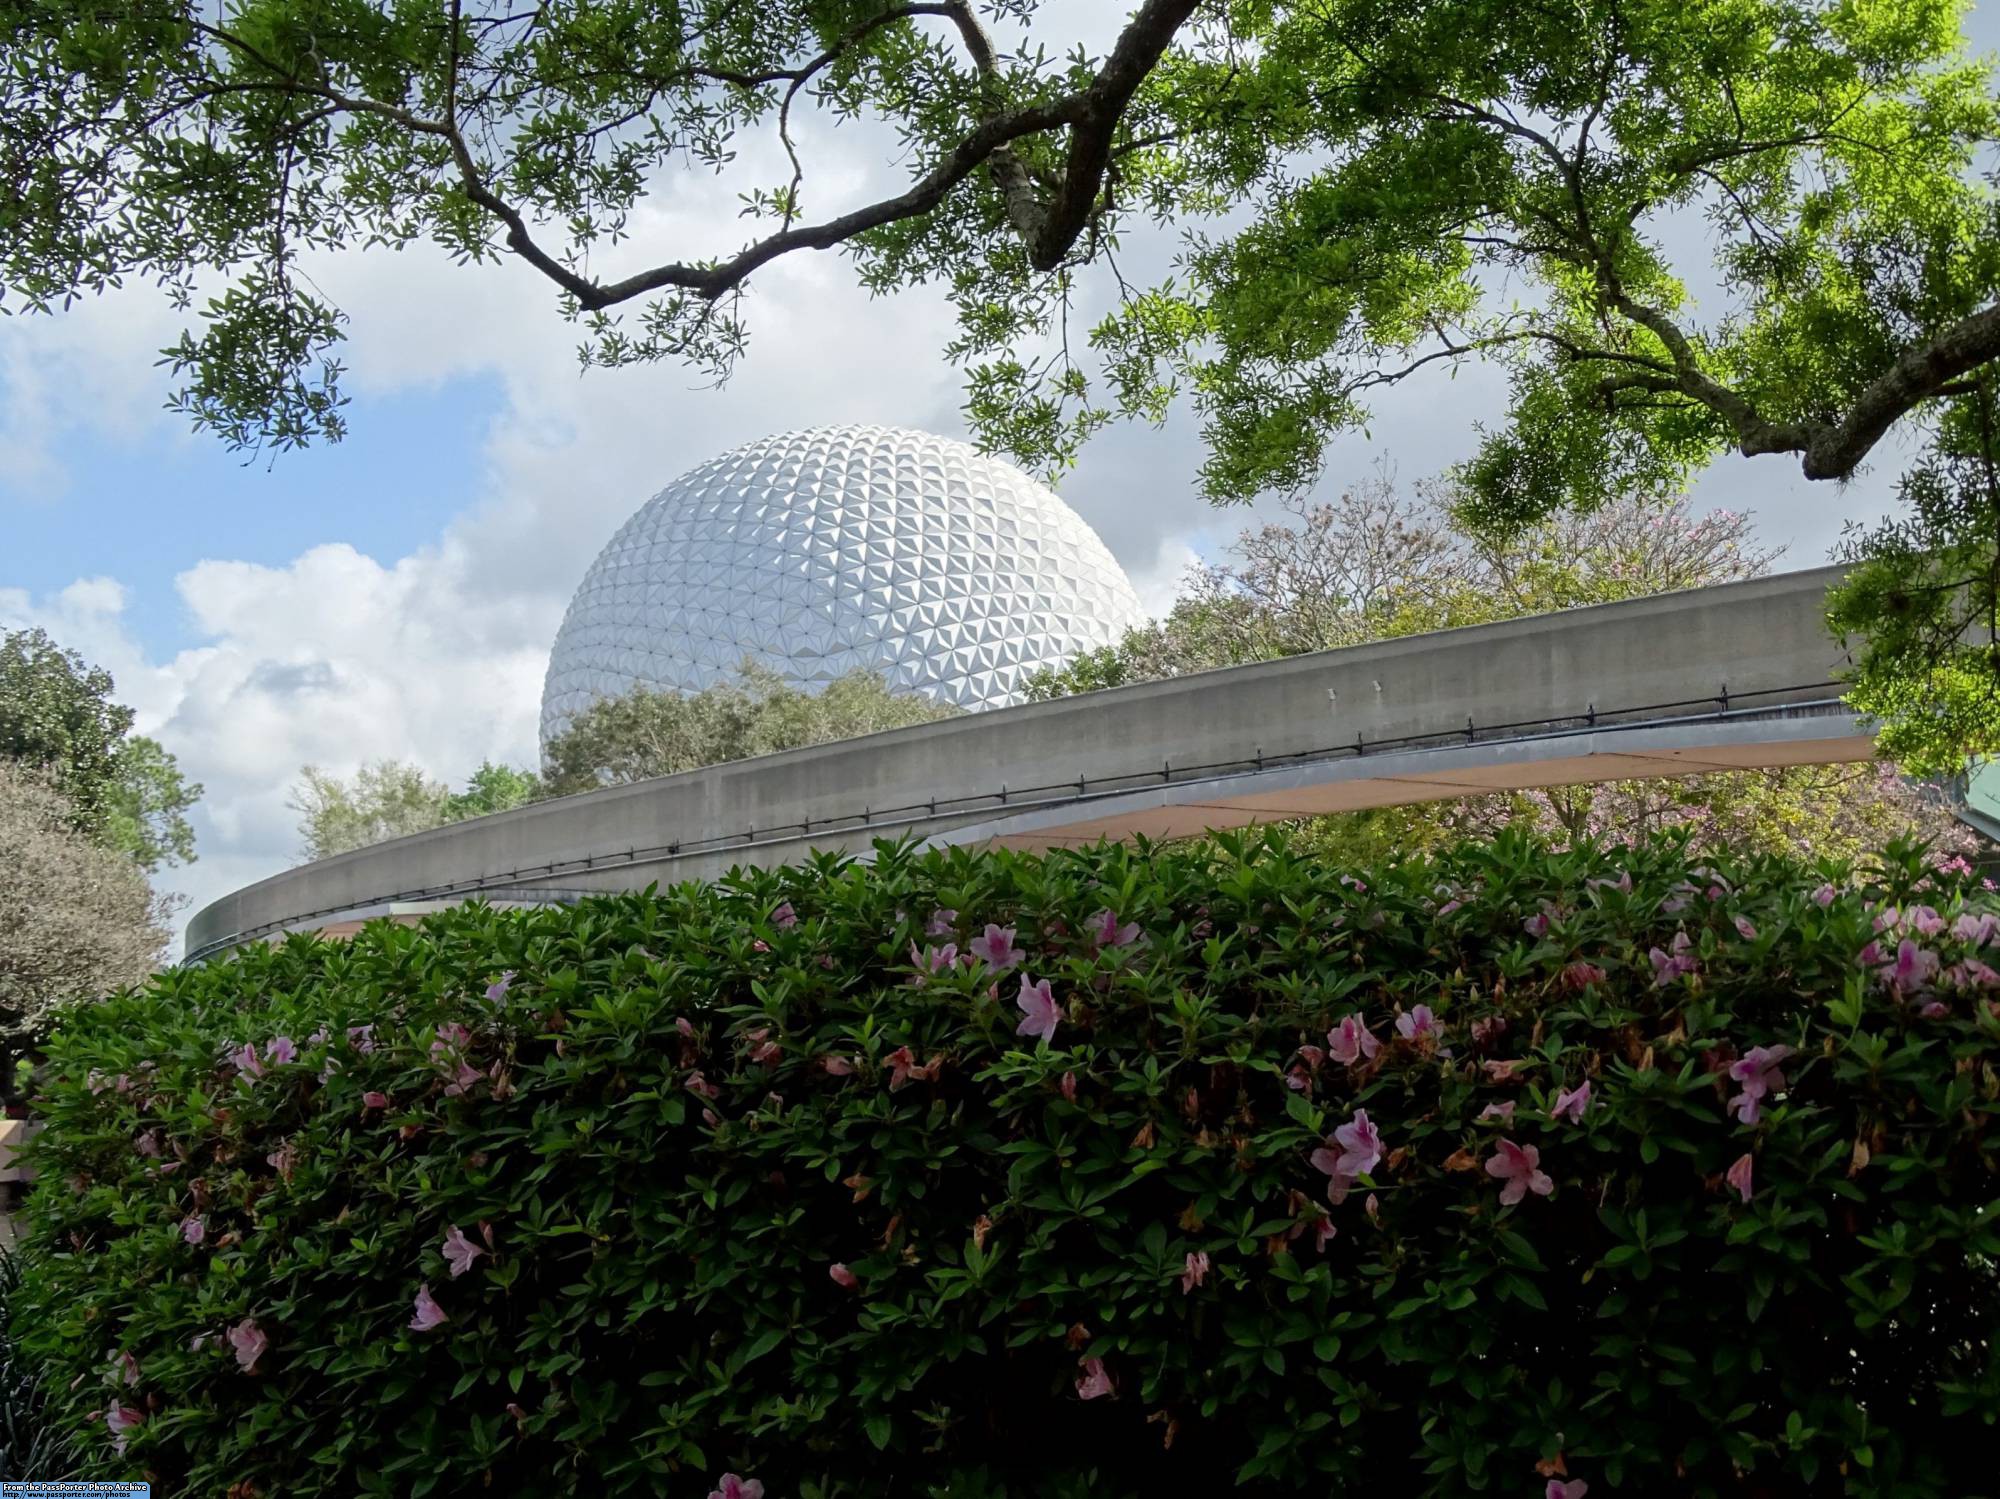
57 717
149 803
645 734
386 799
1378 563
77 919
492 788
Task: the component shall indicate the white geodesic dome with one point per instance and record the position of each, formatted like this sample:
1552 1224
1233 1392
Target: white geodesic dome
837 548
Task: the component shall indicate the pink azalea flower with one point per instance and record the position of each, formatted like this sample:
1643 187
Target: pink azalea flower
148 1144
1418 1022
997 947
128 1367
1623 882
245 1058
1573 1104
462 1080
1498 1110
119 1420
1745 929
374 1100
1492 1027
1576 1488
428 1313
1670 965
1823 897
784 918
1038 1010
281 1050
1758 1073
1298 1080
837 1066
903 1068
450 1037
1196 1270
1581 975
1094 1381
284 1160
361 1038
698 1084
1870 955
193 1230
1971 974
1069 1086
684 1025
1518 1166
733 1487
1975 931
1536 925
765 1051
1372 1206
1504 1072
1360 1145
1887 917
459 1251
942 923
760 945
1312 1056
1925 920
1937 1009
1106 932
1910 969
1449 906
843 1277
1739 1174
248 1339
497 990
932 960
1351 1040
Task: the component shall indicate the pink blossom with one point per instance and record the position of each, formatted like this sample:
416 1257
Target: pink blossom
1498 1110
784 918
764 1051
1488 1029
698 1084
1322 1231
450 1037
932 960
1536 925
1937 1009
1573 1104
1518 1167
903 1068
1298 1080
1418 1022
837 1066
361 1038
1910 969
733 1487
1504 1071
1925 920
1670 965
428 1313
1970 974
1576 1488
374 1100
942 923
281 1050
1738 1175
997 947
1312 1056
459 1251
1195 1271
128 1367
1372 1206
1745 928
760 945
1106 932
1069 1086
1351 1040
1094 1381
1038 1010
843 1277
1354 1150
148 1144
1975 931
1824 896
497 990
1758 1072
248 1339
462 1080
284 1160
1623 882
1955 864
1870 955
684 1025
119 1420
1581 975
245 1058
1449 906
193 1230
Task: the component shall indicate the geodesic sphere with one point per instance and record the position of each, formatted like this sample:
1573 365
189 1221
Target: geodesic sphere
837 548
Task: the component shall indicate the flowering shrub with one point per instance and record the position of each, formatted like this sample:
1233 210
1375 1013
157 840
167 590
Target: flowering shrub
1111 1172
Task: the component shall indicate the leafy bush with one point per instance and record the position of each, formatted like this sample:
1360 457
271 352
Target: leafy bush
31 1445
1502 1171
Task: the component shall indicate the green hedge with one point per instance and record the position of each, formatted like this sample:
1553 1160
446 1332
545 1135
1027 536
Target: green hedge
753 1179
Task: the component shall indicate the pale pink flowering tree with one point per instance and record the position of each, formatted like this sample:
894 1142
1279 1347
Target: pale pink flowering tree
1518 1167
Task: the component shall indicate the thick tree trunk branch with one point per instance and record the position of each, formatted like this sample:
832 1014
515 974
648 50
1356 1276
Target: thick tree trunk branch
1918 374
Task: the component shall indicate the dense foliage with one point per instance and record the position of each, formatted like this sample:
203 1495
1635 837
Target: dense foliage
32 1446
58 719
1113 1172
77 919
1378 562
